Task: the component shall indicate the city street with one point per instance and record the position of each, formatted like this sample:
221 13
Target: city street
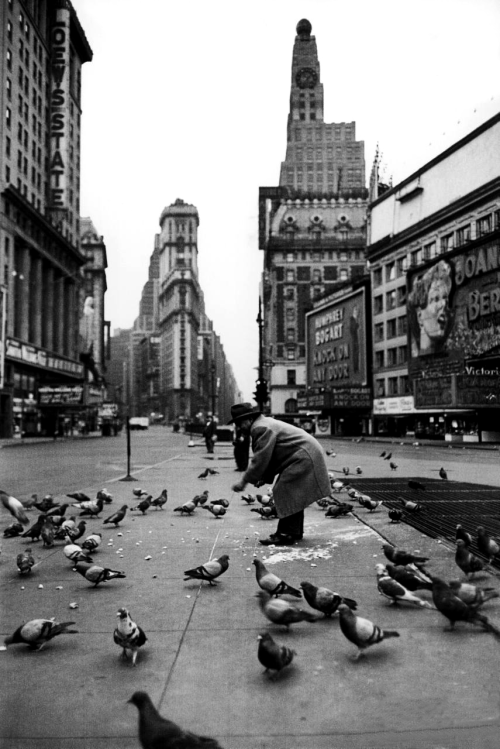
428 688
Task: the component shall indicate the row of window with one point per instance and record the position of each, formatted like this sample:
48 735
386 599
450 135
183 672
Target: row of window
396 326
311 154
393 299
395 386
323 132
391 357
319 256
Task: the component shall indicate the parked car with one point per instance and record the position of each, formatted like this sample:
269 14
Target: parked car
138 422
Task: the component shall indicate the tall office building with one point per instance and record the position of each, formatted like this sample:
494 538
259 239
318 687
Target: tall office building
312 226
43 50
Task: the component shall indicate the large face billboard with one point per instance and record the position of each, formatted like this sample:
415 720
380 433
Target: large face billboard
454 319
336 335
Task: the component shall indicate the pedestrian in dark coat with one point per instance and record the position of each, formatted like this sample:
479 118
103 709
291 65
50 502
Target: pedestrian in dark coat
210 434
297 460
241 448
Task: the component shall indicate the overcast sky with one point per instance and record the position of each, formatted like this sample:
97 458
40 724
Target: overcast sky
189 99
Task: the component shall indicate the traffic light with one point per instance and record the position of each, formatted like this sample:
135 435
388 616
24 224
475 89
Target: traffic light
261 392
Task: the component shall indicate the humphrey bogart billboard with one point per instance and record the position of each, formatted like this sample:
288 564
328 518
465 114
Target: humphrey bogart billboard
454 321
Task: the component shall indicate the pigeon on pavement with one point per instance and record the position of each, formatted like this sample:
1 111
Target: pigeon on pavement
395 515
15 507
399 556
75 553
209 571
410 576
25 562
411 506
264 499
92 508
461 533
248 498
55 512
77 532
204 474
156 732
47 503
382 454
128 635
472 595
388 456
455 609
105 495
117 517
79 496
14 529
200 499
187 507
486 544
160 501
359 470
144 504
337 511
325 600
271 583
394 590
92 542
372 504
37 632
393 465
95 574
69 524
266 513
466 560
222 502
48 532
283 612
361 632
272 656
443 473
216 510
137 491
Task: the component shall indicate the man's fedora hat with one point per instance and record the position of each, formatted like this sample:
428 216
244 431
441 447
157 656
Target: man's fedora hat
243 411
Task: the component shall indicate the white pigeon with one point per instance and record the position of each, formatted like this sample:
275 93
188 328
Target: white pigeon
128 635
394 591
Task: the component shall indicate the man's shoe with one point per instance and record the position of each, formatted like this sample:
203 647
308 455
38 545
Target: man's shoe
279 539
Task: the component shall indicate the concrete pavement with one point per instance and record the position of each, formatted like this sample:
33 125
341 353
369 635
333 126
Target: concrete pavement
429 688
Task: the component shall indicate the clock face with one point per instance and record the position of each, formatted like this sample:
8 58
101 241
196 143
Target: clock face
306 78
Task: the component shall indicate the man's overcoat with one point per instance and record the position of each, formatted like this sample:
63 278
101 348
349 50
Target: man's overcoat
297 458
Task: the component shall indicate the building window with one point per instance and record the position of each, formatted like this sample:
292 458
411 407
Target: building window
290 314
343 274
291 377
378 305
380 388
379 359
391 328
496 217
402 354
404 385
390 298
378 330
447 243
8 117
416 257
392 386
290 276
392 357
483 225
400 266
290 294
402 325
290 257
390 271
290 334
430 251
377 276
463 235
290 352
401 296
290 406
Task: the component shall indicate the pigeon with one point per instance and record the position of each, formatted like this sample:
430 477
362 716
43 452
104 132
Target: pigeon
337 511
456 610
92 508
160 501
47 532
144 504
156 732
57 511
393 465
15 507
486 544
117 517
264 499
388 456
272 656
92 542
95 574
79 496
75 533
324 600
394 590
283 612
248 498
382 454
346 471
417 485
337 486
128 635
331 453
36 529
137 491
266 513
25 562
323 503
353 493
14 529
216 510
37 632
472 595
75 553
462 534
204 474
187 507
69 524
468 562
361 632
410 576
372 504
209 571
212 471
395 515
222 502
200 499
399 556
105 495
271 583
411 506
443 474
47 503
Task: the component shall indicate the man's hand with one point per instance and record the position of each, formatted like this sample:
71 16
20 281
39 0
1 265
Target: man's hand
239 486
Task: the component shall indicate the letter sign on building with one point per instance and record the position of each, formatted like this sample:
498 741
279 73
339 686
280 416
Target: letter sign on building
59 110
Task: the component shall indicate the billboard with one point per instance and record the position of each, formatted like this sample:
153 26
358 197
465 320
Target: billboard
453 308
336 348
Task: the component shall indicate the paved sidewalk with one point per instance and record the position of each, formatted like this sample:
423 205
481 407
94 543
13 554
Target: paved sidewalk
429 688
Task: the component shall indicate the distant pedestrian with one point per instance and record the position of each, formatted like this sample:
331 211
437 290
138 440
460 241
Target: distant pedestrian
241 448
294 458
210 433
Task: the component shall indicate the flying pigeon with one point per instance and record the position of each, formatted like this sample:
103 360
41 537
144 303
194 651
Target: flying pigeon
155 731
117 517
79 496
35 530
443 473
337 511
92 542
393 465
128 635
144 504
25 562
95 574
92 508
37 632
75 553
462 534
15 507
410 576
248 498
216 510
265 512
395 515
324 600
394 590
417 485
271 583
361 632
187 507
105 495
160 501
47 532
468 562
283 612
486 544
399 556
209 571
272 656
14 529
472 595
456 610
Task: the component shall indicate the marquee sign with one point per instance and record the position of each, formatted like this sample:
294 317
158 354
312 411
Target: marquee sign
59 109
